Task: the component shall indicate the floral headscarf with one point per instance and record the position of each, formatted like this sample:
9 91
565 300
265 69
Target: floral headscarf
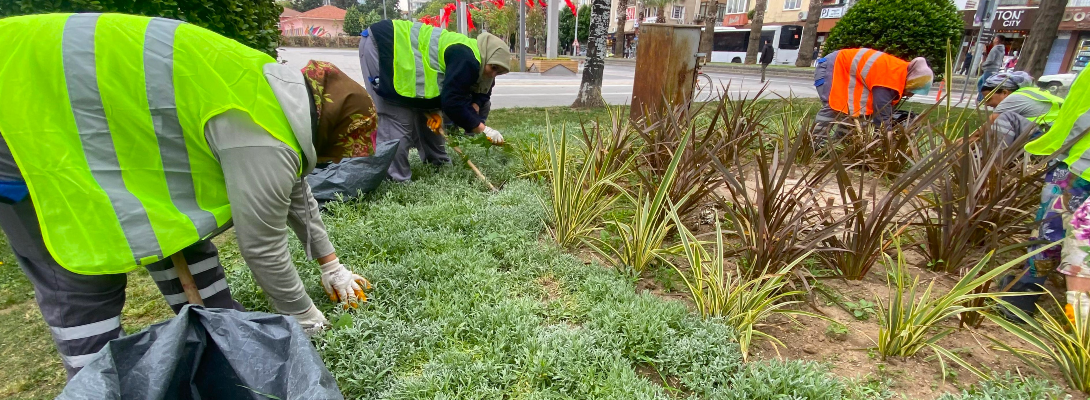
346 119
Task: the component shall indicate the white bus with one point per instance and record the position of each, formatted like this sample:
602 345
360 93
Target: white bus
729 44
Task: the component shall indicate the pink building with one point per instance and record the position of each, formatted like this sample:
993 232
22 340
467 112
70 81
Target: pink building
323 21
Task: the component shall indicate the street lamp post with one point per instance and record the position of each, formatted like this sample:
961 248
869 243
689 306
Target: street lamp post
575 46
522 35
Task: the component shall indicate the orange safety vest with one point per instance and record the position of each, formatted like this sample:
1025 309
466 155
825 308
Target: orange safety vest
855 74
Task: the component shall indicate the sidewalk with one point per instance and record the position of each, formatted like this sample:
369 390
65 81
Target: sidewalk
780 71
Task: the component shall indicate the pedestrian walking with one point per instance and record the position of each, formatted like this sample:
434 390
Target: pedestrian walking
125 140
967 64
767 55
991 64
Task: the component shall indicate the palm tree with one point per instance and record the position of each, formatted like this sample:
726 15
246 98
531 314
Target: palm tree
755 31
809 35
711 10
590 90
660 5
622 19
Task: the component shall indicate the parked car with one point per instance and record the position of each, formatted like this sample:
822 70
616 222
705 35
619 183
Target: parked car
1058 83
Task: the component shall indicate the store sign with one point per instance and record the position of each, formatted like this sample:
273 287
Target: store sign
1011 19
1075 19
630 13
735 19
832 12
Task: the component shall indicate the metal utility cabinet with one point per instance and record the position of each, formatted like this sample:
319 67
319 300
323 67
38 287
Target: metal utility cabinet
665 64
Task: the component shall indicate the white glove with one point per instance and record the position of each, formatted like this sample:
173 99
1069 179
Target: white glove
343 285
312 320
493 135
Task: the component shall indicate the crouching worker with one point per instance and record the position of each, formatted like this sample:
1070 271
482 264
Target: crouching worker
414 70
1072 180
128 139
1020 109
864 84
1018 106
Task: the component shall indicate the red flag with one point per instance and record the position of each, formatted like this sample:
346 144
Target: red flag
529 3
470 23
543 5
498 3
445 18
570 6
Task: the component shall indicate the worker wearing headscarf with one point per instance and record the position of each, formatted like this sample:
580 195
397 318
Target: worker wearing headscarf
1018 106
865 84
1073 169
105 170
414 70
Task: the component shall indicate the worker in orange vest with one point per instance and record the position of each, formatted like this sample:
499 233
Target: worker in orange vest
865 84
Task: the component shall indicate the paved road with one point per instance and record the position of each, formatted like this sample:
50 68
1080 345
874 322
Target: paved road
519 89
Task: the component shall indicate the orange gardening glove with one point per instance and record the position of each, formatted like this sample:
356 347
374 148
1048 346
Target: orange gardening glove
435 122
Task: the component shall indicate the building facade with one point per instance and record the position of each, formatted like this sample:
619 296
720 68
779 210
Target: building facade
324 21
729 13
1070 51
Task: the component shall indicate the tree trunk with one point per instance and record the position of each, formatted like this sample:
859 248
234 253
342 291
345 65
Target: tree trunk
809 35
1039 42
707 38
756 24
662 15
619 36
590 89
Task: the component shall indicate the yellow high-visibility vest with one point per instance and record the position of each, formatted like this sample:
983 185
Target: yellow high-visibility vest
419 59
104 115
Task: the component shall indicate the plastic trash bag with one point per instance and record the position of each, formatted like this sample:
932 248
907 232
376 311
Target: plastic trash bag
208 354
352 176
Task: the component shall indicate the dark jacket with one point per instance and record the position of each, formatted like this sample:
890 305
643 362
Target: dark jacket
456 96
768 54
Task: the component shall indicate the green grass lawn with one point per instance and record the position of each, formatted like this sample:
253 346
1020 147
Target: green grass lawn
470 301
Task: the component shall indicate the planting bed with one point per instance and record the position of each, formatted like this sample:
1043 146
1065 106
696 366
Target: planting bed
473 300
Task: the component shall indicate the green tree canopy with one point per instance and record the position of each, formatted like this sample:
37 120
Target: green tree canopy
501 22
903 28
307 5
250 22
393 9
433 7
567 26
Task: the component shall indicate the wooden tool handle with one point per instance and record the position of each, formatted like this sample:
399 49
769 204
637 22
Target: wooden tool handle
192 294
475 170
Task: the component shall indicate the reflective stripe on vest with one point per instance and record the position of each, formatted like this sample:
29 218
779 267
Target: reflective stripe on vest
419 59
1070 125
853 80
113 153
1045 97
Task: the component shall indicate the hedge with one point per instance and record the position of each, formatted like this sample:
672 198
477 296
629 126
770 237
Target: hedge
352 42
903 28
251 22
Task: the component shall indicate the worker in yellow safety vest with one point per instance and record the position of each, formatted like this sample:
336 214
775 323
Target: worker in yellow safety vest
1018 109
125 140
1073 180
1018 106
414 71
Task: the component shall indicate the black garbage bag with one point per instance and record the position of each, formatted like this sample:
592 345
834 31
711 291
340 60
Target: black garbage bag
208 354
352 176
